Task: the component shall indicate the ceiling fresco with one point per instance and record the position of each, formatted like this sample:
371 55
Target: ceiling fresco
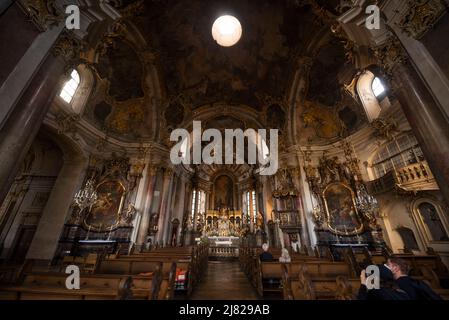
194 65
194 71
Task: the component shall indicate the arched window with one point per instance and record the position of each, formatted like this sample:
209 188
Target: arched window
251 205
398 153
198 203
70 87
372 94
378 87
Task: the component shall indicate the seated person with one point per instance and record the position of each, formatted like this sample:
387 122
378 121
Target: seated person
285 256
388 289
416 289
265 256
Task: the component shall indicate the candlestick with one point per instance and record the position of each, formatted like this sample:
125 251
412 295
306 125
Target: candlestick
109 235
88 231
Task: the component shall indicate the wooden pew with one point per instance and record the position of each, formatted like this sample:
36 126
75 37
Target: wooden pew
314 280
150 279
51 286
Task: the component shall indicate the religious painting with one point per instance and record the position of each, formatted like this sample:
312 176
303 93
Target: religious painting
223 192
341 212
105 212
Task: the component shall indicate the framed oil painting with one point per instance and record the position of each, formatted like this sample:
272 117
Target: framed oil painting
105 212
341 212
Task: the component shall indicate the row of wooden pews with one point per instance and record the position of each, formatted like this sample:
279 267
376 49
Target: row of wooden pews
148 276
304 278
188 264
314 277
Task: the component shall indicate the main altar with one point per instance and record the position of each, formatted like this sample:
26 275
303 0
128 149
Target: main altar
223 223
223 228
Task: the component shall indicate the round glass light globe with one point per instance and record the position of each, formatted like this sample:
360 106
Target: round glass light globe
227 31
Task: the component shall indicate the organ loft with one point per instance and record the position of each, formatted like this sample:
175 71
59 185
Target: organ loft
222 149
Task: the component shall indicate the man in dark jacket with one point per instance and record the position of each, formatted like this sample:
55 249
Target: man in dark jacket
388 289
416 289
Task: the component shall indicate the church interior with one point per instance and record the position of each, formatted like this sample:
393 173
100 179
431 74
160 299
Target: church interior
87 179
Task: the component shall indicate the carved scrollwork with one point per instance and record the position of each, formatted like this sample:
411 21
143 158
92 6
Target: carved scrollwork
422 16
68 48
43 13
389 55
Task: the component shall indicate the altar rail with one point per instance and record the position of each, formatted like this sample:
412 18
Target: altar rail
223 252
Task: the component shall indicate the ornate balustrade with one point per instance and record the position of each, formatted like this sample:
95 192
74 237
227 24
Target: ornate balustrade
412 178
223 252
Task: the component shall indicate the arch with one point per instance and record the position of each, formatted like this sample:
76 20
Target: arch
431 228
367 96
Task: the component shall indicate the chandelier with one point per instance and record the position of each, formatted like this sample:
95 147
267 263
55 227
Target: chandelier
366 203
86 196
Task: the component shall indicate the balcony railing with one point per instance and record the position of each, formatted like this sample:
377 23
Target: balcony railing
415 177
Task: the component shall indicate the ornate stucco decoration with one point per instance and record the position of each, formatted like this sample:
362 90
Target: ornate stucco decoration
43 13
67 124
68 48
384 129
422 16
389 55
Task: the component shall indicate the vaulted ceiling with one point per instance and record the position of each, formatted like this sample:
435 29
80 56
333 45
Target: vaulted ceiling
194 71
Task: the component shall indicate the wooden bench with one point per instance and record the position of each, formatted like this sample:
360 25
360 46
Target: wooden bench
150 279
52 286
315 280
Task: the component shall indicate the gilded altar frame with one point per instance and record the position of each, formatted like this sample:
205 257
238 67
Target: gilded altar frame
117 214
351 232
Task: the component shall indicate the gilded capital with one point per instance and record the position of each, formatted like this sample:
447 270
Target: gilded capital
152 170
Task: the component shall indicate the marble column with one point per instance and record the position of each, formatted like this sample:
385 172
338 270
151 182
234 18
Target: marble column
304 235
163 203
21 127
426 119
45 241
169 210
146 215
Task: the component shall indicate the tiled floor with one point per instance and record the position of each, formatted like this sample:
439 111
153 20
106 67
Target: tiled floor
224 281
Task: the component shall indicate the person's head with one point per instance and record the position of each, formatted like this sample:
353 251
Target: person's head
398 267
265 247
285 253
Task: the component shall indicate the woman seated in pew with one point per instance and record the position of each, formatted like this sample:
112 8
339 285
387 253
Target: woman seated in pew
285 256
388 289
266 256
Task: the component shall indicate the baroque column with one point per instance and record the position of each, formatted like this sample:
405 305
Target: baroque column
424 115
21 127
146 215
168 173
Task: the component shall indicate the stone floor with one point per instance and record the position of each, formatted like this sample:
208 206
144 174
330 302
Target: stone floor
224 281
